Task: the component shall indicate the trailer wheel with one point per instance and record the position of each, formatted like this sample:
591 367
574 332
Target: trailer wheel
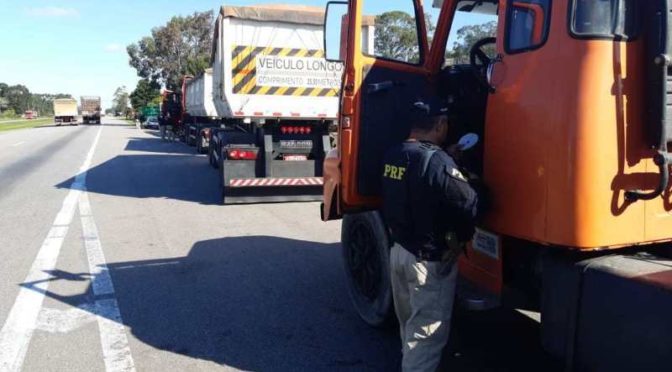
366 256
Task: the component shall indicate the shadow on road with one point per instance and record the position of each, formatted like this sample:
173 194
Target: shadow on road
179 177
270 303
253 303
159 146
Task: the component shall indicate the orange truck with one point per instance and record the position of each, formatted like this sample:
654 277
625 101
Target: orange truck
573 112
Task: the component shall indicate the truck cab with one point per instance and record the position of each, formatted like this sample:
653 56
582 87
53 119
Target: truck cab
570 102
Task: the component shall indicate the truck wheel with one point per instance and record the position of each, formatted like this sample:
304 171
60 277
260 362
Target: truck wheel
366 256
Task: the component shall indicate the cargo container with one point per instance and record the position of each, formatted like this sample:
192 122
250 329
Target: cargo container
277 97
65 111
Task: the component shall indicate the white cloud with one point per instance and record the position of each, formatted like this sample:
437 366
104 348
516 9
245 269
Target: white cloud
114 48
52 11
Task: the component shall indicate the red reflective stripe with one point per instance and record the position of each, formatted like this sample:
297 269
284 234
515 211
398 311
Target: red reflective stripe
295 114
277 114
258 113
253 182
240 113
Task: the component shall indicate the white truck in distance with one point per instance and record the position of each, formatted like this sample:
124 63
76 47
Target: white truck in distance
65 111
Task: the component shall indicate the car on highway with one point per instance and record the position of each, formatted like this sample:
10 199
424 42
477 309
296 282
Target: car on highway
152 122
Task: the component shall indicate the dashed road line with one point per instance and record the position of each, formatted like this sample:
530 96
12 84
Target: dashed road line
18 144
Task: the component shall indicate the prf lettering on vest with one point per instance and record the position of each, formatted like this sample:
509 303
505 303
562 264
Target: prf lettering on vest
394 172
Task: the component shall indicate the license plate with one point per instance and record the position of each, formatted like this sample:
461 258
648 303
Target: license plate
296 144
295 157
486 243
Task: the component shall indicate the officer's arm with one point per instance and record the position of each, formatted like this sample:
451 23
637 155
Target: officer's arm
452 187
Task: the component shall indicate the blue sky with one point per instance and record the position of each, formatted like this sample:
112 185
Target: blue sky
79 46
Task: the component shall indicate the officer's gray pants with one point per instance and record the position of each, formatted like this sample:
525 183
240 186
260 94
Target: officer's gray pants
423 293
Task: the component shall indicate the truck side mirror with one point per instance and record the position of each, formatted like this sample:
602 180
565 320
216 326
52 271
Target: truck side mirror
336 31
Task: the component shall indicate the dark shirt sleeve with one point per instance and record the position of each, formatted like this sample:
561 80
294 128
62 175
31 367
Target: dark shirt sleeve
454 191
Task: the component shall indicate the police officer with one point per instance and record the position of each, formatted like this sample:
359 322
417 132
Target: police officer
430 208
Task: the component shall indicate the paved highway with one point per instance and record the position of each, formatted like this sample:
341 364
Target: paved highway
117 256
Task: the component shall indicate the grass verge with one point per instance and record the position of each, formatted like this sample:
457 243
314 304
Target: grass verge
21 124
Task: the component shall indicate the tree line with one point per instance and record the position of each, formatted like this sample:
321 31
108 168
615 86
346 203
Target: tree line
17 99
183 45
180 47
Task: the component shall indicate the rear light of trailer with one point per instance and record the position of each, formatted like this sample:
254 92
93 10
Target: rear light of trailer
239 154
295 129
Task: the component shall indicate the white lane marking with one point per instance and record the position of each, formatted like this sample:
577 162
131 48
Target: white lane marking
18 328
116 351
64 321
18 144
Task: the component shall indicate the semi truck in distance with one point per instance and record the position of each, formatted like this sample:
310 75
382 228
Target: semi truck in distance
200 112
65 111
276 97
90 109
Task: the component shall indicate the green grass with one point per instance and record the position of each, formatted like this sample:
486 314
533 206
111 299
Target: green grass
21 124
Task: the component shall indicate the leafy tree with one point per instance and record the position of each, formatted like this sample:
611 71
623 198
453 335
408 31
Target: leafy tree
120 100
145 92
18 97
397 37
181 47
4 104
467 36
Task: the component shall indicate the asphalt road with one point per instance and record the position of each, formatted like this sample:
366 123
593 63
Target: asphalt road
117 256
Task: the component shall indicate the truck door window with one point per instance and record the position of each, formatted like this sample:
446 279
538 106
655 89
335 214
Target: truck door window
599 19
473 21
528 23
396 31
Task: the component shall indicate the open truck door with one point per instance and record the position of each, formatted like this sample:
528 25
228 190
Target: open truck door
386 72
380 84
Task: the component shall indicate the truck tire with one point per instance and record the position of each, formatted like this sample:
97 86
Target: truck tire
366 257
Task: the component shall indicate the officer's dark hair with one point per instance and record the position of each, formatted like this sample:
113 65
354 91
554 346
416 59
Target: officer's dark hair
426 123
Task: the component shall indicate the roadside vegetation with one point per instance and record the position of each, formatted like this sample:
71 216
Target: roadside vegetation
6 125
17 99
